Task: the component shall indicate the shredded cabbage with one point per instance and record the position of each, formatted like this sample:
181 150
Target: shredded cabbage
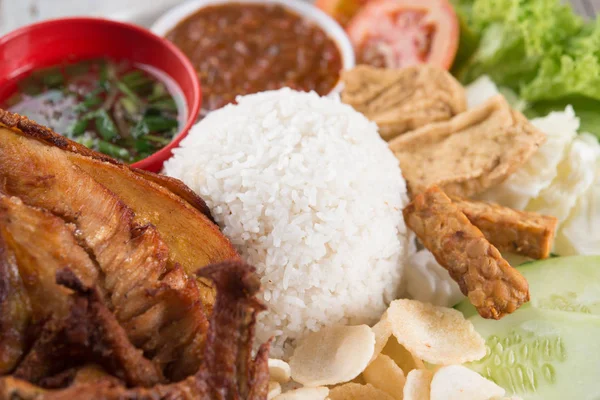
428 281
480 90
538 173
580 234
576 173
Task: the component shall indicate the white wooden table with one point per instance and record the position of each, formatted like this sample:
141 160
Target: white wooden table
16 13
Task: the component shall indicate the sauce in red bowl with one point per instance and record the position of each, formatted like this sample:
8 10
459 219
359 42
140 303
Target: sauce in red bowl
71 40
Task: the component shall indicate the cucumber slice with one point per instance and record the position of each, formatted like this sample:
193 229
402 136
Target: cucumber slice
565 283
562 283
542 354
466 308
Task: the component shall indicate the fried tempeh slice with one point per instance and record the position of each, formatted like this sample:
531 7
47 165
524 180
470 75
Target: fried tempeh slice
404 99
492 285
471 152
522 232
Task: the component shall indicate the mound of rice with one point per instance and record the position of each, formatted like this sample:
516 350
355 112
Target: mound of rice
312 197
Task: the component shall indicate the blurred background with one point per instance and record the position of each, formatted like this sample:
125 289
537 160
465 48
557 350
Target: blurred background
15 13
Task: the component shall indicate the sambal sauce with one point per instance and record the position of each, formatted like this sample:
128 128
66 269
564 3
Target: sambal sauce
245 48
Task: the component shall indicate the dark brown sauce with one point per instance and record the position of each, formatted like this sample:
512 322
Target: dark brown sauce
240 49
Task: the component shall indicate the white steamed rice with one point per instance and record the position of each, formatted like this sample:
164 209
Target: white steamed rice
312 197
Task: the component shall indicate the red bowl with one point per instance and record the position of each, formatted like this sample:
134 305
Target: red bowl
75 39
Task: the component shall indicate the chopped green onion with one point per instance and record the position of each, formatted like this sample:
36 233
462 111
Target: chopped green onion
158 139
91 100
142 146
128 92
53 78
113 150
107 74
137 81
140 129
79 127
132 76
157 123
129 105
167 104
105 125
158 92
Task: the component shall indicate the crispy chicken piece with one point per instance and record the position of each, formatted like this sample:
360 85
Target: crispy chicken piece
471 152
491 284
404 99
92 373
88 333
37 258
28 128
179 225
182 218
227 371
154 323
40 256
28 264
15 310
178 188
89 373
12 388
147 292
521 232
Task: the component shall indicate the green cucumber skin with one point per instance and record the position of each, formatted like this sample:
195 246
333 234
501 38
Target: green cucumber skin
550 347
542 354
565 283
562 283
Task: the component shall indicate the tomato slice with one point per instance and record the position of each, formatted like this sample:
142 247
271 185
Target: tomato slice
341 10
400 33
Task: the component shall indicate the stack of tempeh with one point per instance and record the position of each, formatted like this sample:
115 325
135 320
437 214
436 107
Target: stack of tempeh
449 154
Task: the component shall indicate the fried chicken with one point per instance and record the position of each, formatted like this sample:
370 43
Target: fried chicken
227 372
125 246
89 333
56 164
34 245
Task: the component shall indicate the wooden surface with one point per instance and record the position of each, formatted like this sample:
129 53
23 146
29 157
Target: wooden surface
16 13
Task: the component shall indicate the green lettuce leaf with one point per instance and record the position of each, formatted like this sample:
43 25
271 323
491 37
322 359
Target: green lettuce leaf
574 72
515 37
540 49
